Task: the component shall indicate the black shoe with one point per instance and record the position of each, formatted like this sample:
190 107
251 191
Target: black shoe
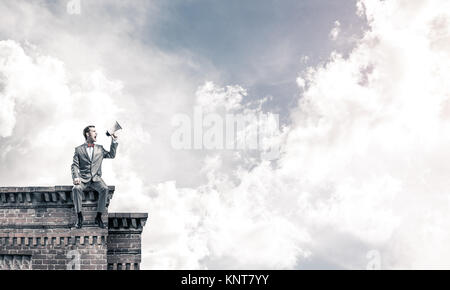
99 222
79 223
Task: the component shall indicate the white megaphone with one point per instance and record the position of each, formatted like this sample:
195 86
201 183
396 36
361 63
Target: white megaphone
113 129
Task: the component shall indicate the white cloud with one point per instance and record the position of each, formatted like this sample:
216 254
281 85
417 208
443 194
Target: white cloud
364 159
210 97
334 33
372 126
232 220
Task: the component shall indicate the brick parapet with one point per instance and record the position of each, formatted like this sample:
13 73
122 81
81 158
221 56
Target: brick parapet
46 197
124 240
36 231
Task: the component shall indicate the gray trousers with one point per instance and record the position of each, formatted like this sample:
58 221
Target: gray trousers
99 186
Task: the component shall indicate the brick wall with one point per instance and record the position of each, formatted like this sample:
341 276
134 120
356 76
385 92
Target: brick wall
36 232
124 240
44 206
58 250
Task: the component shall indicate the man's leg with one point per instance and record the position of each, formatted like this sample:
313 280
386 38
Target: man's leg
77 197
102 189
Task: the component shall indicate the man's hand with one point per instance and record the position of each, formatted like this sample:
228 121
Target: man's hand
114 136
76 181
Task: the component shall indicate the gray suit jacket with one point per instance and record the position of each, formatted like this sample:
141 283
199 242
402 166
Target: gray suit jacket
85 168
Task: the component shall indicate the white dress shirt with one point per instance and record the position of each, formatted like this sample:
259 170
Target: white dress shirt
90 151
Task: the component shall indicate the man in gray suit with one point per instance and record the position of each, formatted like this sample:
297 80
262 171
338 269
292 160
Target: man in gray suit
87 171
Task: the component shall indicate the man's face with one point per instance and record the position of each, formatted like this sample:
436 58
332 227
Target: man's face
92 135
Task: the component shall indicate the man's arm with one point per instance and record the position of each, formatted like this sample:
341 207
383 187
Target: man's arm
112 151
76 168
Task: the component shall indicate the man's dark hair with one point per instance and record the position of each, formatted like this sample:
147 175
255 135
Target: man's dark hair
86 130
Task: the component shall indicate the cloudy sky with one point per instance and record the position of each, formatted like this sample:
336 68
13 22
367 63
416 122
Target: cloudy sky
360 88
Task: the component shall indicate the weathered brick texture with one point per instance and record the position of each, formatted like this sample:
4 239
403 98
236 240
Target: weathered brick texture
36 232
124 240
